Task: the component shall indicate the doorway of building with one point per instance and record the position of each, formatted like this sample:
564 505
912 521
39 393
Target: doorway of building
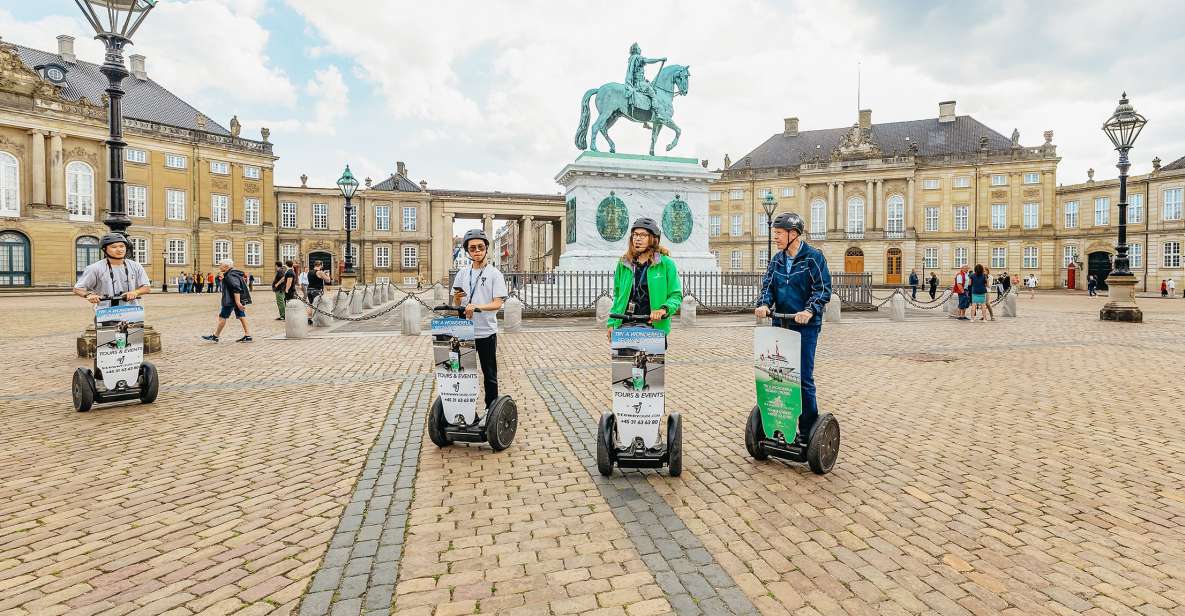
1099 266
325 258
14 260
86 251
893 266
853 261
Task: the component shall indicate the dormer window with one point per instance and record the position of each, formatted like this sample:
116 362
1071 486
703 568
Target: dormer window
55 73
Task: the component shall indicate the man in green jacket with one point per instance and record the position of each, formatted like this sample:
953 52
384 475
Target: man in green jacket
646 282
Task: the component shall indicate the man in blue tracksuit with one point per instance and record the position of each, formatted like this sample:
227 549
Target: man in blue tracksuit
797 282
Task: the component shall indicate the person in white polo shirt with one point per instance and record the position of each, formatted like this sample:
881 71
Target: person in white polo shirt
480 286
114 276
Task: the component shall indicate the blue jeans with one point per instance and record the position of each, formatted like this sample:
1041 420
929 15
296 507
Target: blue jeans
810 404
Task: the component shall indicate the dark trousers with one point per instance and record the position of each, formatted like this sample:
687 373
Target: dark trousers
914 291
810 404
933 291
487 357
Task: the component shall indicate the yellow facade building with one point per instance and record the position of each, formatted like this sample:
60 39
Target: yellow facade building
196 192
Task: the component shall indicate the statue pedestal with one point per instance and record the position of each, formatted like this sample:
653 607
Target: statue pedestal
606 192
1122 305
85 343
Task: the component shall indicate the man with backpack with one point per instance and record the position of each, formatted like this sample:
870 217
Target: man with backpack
235 297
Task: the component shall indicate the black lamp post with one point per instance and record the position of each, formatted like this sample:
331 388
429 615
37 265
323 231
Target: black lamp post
1122 128
164 280
115 21
769 205
348 185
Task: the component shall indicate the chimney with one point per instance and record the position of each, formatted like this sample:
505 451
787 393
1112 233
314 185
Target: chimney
865 119
791 129
946 111
401 168
138 67
66 48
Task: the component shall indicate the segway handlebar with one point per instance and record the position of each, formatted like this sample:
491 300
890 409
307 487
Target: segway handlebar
781 315
460 310
630 318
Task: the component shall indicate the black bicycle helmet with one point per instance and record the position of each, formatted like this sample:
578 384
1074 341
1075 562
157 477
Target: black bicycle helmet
474 234
790 222
647 224
113 238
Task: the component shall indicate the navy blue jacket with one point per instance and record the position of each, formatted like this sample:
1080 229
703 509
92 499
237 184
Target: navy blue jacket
794 286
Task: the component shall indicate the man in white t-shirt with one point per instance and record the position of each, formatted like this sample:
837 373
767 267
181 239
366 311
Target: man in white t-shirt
480 286
1172 288
114 276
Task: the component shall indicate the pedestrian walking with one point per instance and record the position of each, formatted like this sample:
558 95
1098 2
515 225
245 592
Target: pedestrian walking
235 297
218 283
933 285
987 272
913 284
1092 283
1172 288
962 289
278 289
181 282
210 282
1031 283
317 280
979 289
1006 281
251 282
199 282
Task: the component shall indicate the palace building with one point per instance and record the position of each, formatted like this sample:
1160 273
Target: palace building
196 191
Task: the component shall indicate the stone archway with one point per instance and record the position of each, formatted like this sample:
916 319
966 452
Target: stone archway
853 261
1098 264
15 260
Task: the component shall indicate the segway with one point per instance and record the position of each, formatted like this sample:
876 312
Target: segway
773 423
120 372
453 416
628 435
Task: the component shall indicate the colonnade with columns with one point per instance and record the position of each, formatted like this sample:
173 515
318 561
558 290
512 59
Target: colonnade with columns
875 206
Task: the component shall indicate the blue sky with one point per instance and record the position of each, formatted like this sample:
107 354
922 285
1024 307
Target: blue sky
486 96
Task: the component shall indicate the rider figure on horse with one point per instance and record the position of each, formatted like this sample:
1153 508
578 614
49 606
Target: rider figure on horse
635 74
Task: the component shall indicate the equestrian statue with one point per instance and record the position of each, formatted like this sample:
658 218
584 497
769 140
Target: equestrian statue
638 100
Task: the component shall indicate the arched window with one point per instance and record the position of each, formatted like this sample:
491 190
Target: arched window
86 251
14 260
818 216
80 191
896 214
10 185
856 215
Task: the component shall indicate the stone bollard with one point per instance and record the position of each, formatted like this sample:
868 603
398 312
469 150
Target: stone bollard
512 315
1008 306
832 313
326 304
297 327
687 312
440 294
341 305
604 305
410 318
367 298
952 305
387 294
356 302
897 308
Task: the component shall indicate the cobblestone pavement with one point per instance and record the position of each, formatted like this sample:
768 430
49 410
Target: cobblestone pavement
1026 466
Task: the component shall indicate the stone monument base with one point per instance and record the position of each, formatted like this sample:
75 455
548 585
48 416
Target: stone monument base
1122 307
85 342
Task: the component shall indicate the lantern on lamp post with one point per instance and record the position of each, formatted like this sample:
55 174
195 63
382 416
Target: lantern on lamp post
769 205
1122 128
348 186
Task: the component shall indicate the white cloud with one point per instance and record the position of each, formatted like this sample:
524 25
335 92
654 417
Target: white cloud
331 96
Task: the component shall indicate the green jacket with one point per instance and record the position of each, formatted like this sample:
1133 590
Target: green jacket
665 290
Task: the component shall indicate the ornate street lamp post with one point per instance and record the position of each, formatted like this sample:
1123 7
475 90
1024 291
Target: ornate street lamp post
115 21
348 185
1122 128
164 262
769 205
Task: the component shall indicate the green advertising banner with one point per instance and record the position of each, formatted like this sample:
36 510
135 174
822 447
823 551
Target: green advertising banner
776 354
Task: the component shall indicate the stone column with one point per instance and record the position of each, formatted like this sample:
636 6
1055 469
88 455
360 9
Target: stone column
882 209
910 217
524 243
804 203
831 206
841 218
442 246
57 171
487 225
38 166
557 241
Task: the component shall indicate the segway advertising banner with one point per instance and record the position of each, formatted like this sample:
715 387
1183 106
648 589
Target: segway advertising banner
455 360
638 382
119 345
777 356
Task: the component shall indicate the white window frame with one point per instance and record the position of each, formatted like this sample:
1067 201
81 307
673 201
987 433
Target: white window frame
1069 254
931 183
1135 209
382 255
219 208
251 172
787 191
999 257
382 219
80 191
930 257
177 251
1171 254
254 254
736 194
1173 200
1032 177
288 214
135 155
321 218
221 250
714 225
762 258
736 260
856 215
1030 258
288 251
931 218
736 225
962 181
999 179
960 256
175 204
999 216
1071 214
137 201
411 218
763 225
251 211
219 167
962 217
818 216
1102 211
351 218
1032 215
176 161
411 257
140 248
714 195
10 184
895 214
1135 255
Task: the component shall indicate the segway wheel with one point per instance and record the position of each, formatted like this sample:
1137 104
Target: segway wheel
823 448
754 432
674 444
502 423
149 383
605 443
436 424
83 390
